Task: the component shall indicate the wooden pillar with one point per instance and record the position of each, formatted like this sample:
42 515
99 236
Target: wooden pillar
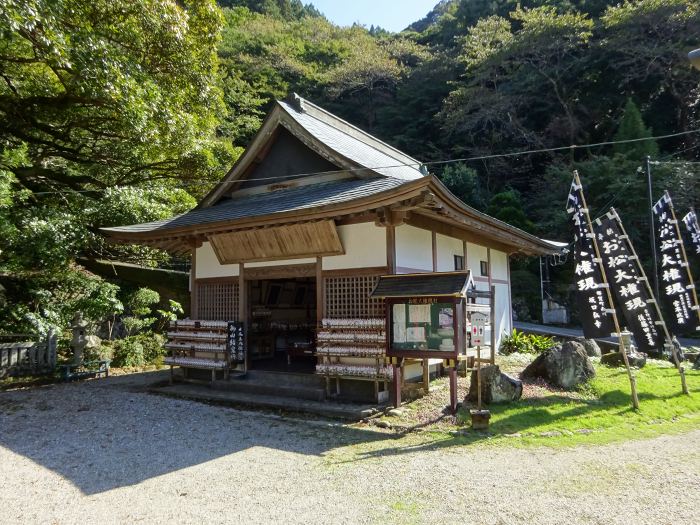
396 385
194 302
320 293
493 325
464 255
391 248
453 389
435 254
510 292
243 306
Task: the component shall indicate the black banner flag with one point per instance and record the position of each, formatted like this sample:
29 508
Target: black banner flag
594 306
629 284
677 290
693 229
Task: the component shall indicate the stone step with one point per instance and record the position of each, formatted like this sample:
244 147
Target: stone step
308 380
345 411
251 385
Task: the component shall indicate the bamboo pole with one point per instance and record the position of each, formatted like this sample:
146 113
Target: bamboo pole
667 334
632 379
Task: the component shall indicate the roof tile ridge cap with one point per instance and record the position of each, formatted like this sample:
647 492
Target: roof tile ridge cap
317 111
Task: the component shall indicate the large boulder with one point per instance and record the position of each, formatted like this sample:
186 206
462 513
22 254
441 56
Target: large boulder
565 366
496 387
636 359
591 347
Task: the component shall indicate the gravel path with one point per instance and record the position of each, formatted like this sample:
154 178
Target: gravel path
105 451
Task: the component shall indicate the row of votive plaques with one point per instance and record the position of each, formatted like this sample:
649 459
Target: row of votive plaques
353 323
352 336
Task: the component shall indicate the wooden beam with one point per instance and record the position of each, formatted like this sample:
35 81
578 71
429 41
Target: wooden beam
356 272
288 271
435 254
320 294
429 223
464 256
194 303
391 248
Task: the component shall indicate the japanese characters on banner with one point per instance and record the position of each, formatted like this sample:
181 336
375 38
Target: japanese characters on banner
595 309
693 229
677 288
235 341
628 284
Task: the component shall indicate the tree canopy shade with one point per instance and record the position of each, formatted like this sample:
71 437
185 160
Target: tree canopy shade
107 108
98 93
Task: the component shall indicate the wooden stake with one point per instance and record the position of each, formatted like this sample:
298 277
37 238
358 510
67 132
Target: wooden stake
630 375
667 334
478 377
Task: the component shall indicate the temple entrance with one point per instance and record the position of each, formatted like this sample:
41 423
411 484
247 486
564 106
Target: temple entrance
282 321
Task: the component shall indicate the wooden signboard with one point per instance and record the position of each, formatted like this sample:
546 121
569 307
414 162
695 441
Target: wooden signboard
235 341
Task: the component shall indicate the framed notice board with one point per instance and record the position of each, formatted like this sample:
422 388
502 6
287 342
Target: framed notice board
425 327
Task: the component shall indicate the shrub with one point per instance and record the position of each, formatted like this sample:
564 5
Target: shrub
128 352
138 350
525 343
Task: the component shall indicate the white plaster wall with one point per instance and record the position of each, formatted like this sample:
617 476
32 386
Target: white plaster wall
414 248
475 254
364 244
447 248
503 323
499 265
207 265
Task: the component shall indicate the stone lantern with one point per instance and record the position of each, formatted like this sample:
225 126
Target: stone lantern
80 338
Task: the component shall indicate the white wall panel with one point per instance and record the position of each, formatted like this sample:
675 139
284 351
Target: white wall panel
207 264
447 248
364 244
414 248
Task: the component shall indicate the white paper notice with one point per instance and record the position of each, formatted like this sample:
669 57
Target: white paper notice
419 313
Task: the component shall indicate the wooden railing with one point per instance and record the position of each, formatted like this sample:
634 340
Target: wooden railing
28 357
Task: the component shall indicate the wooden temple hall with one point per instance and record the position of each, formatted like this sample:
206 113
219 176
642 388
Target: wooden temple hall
288 248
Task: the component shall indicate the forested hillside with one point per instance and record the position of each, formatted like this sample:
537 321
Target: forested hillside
121 111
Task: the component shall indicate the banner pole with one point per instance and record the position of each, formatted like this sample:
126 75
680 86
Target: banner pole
667 334
604 278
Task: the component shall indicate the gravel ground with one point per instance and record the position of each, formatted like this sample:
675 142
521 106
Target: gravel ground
105 451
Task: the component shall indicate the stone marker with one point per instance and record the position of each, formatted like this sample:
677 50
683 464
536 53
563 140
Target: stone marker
496 387
565 365
635 359
591 347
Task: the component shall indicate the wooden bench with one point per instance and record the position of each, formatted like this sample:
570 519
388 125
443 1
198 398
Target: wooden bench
73 372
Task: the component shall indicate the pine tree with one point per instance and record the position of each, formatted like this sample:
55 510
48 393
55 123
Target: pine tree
632 127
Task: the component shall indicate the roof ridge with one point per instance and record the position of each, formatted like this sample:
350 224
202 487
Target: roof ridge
299 103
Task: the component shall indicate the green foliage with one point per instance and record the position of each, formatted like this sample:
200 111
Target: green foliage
508 207
140 304
525 343
632 127
138 350
464 182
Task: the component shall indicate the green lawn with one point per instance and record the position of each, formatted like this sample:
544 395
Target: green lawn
603 411
599 413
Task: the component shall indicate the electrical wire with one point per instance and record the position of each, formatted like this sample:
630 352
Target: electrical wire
419 165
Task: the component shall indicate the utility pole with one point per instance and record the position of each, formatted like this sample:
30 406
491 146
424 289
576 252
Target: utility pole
652 234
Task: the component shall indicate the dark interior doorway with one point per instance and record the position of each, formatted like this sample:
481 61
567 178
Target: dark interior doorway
282 320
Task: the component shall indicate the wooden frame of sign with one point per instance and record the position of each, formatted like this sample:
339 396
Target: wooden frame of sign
397 355
422 351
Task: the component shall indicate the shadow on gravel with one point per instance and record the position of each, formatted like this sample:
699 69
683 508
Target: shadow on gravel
110 433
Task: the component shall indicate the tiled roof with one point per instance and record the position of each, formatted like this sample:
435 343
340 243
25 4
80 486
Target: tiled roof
300 198
353 143
422 285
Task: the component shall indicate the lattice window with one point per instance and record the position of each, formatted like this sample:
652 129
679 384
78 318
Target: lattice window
217 301
348 297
